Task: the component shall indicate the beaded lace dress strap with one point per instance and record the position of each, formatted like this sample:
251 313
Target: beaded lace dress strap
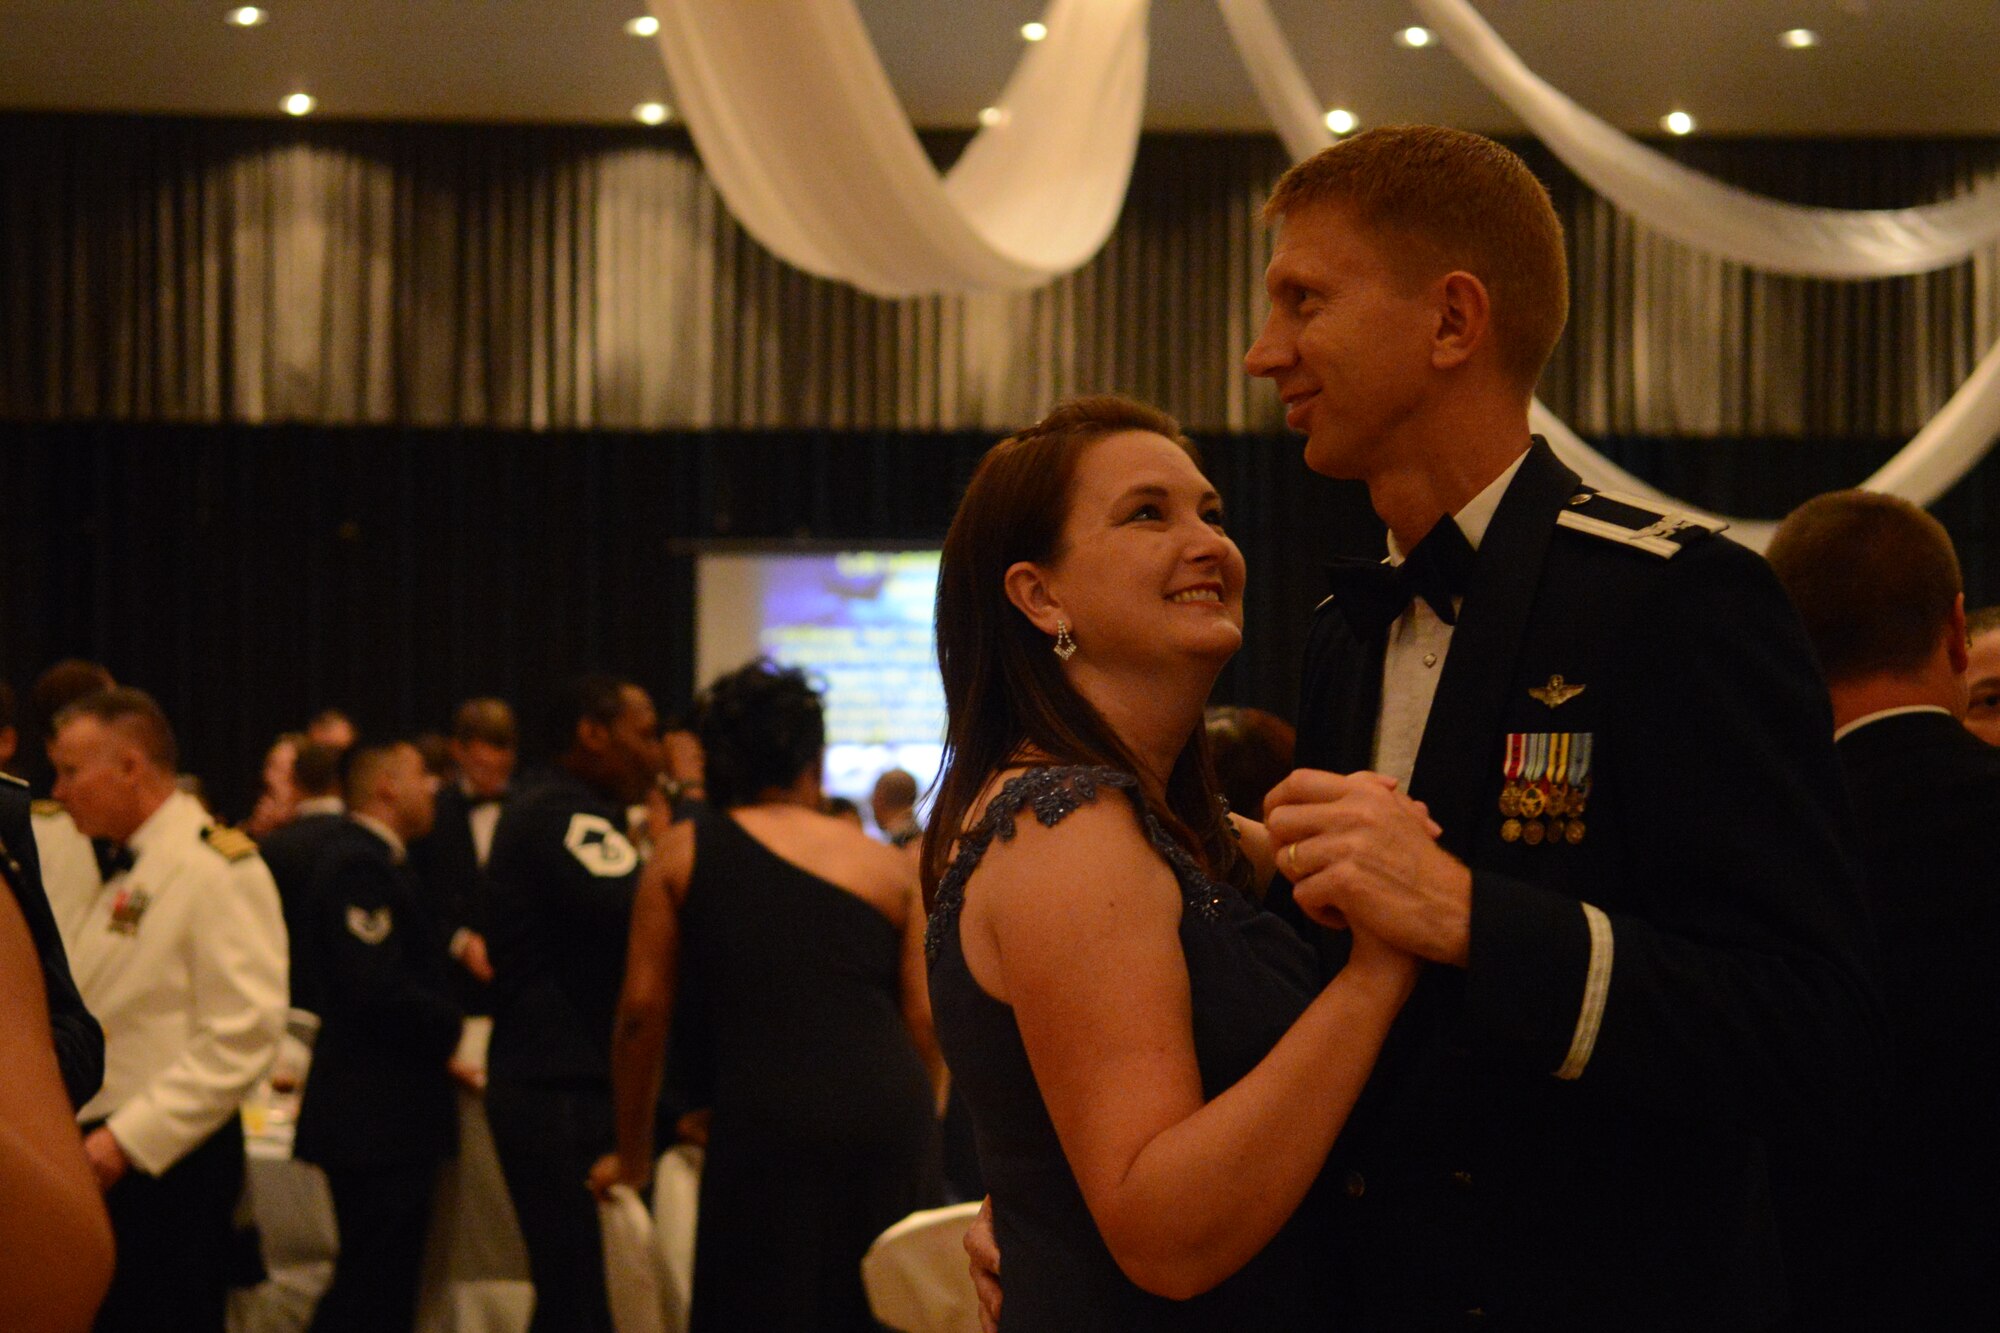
1052 794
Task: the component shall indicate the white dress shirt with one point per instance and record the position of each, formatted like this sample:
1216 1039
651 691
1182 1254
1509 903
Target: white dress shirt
1418 642
182 960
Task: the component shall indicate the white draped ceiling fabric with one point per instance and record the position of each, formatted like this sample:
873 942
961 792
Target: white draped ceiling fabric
799 127
1700 212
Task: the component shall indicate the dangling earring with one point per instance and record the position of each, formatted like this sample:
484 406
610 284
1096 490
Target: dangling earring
1065 645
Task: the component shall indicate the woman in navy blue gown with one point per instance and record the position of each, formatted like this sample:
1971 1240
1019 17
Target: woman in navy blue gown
1155 1075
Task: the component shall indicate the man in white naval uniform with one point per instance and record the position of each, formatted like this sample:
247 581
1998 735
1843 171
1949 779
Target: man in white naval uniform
180 952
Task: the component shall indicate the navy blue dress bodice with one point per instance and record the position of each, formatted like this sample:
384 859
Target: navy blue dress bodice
1250 977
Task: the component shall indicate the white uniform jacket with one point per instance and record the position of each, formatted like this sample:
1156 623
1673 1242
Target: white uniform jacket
69 866
182 959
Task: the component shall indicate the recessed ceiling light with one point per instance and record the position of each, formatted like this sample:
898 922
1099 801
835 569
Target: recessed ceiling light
1798 39
1034 32
1677 122
652 113
246 16
1415 38
1341 121
299 104
643 26
990 116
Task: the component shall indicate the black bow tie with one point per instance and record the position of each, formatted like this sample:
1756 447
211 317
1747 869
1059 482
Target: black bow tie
113 858
1372 594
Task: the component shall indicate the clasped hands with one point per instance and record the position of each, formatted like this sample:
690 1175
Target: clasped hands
1360 852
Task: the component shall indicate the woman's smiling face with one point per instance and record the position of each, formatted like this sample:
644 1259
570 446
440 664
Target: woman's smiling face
1145 569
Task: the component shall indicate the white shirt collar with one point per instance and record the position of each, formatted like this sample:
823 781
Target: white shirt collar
1858 723
397 851
320 805
1476 515
177 811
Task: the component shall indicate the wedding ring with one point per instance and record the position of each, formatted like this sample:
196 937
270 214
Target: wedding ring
1291 859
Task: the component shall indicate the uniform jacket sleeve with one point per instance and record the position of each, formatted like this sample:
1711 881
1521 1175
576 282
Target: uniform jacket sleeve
79 1041
238 1014
369 975
1740 984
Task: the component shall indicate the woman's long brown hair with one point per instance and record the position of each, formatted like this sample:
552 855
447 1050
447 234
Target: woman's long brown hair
1004 690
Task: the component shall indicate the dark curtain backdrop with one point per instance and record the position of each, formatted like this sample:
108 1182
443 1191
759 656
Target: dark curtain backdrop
250 575
589 278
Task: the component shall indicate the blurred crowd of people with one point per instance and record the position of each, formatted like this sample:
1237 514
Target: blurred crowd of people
392 887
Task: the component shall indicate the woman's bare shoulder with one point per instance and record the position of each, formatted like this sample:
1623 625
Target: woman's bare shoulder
1063 845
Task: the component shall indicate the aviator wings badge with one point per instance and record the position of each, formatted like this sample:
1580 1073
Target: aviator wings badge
1556 693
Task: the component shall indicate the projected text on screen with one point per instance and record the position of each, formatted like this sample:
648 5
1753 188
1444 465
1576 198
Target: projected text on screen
860 623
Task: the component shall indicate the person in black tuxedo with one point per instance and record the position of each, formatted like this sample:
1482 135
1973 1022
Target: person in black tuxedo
293 852
78 1040
1909 1240
451 858
1648 942
379 1113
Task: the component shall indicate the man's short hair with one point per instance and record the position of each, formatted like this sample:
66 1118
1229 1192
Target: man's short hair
315 768
1873 577
896 789
1983 621
364 765
597 697
132 712
62 685
1454 200
489 720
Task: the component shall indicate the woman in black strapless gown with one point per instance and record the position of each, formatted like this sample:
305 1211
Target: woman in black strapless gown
1154 1074
805 993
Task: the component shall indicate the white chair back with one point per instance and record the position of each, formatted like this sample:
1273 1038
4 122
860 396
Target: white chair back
916 1273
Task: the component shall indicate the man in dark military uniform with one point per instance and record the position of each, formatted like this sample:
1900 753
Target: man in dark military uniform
1906 1235
562 874
451 859
1648 945
79 1042
294 852
379 1114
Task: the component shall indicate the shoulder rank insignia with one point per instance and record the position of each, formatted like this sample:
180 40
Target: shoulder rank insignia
1633 521
369 927
1556 693
233 844
45 807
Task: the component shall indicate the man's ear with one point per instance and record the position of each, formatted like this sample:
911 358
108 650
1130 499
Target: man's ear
592 735
1464 319
1028 589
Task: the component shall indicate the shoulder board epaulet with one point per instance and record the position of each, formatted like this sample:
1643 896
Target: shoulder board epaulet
232 843
45 807
1633 521
13 781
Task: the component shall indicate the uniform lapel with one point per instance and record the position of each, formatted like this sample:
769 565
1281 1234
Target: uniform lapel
1453 761
1339 708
